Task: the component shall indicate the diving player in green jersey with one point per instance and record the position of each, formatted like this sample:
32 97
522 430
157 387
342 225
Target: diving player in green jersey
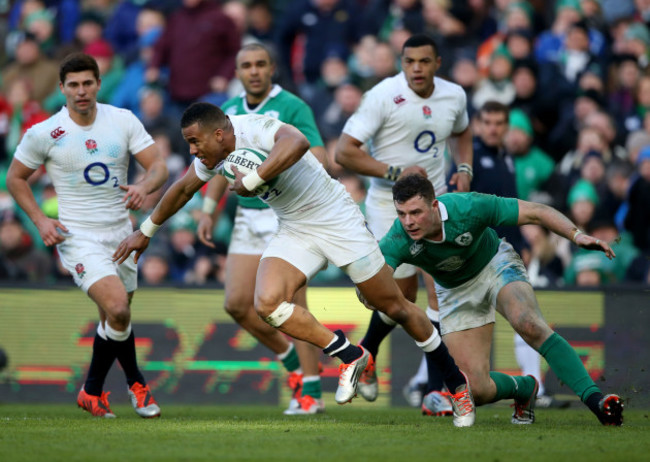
477 274
255 224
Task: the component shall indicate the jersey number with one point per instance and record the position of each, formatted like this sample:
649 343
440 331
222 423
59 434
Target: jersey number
424 143
100 174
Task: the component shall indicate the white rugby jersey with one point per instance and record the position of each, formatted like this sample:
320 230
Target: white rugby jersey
86 164
303 191
403 129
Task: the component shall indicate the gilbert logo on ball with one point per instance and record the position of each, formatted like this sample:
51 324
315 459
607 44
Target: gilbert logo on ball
246 160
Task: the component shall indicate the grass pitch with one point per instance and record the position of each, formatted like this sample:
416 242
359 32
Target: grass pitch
343 433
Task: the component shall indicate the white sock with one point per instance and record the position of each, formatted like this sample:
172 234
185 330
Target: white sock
100 331
281 356
529 361
117 335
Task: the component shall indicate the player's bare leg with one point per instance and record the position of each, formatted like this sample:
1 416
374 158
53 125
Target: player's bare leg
115 339
517 303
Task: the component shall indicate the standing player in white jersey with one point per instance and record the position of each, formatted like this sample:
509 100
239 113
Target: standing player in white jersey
85 149
318 222
407 121
255 224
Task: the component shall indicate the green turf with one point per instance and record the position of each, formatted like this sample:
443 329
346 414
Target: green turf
349 433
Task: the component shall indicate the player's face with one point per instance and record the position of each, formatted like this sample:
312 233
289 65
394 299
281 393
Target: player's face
80 91
254 70
420 65
206 144
493 128
419 218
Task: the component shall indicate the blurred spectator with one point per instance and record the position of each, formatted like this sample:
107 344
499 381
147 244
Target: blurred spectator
382 16
381 63
154 269
497 86
532 165
636 41
603 123
41 73
582 201
334 72
89 29
17 113
200 62
634 143
154 119
465 73
19 259
324 27
121 27
260 22
637 220
66 12
545 268
347 98
622 94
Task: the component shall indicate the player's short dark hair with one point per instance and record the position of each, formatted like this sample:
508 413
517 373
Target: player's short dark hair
491 107
420 40
257 46
411 186
203 114
78 62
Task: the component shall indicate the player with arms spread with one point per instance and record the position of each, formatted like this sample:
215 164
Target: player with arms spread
476 274
85 149
318 222
255 224
407 122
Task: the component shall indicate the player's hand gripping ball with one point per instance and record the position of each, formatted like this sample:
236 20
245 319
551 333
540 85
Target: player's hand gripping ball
246 160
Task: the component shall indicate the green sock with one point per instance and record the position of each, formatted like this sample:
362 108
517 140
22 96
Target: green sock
290 359
568 367
311 386
518 387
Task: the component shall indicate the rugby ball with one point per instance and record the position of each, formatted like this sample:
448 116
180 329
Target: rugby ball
246 160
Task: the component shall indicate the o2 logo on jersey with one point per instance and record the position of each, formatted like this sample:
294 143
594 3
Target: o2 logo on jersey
91 146
97 174
425 143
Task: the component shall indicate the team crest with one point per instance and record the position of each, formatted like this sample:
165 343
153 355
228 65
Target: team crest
57 133
81 271
416 248
91 146
464 239
274 114
426 112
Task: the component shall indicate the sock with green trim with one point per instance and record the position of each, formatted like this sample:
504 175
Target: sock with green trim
518 387
290 359
311 386
568 367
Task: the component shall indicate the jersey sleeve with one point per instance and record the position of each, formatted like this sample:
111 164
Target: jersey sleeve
495 210
368 118
139 138
392 245
262 131
204 173
303 120
31 150
462 119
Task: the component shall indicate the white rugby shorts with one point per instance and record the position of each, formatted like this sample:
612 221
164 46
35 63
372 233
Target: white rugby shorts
88 255
252 231
337 234
473 303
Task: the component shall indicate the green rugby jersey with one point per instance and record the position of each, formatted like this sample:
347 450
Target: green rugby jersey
281 105
468 242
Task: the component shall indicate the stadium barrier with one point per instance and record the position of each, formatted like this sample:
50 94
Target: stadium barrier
192 352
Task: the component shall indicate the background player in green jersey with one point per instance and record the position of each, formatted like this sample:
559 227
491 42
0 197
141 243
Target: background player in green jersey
255 224
476 274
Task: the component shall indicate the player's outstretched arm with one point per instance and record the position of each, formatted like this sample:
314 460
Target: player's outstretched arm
176 197
350 155
540 214
155 176
22 193
210 213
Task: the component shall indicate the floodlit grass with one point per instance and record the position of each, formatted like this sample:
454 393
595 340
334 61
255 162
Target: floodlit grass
344 433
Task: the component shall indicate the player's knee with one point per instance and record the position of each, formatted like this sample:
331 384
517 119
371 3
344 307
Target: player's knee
396 311
120 316
533 330
279 315
237 306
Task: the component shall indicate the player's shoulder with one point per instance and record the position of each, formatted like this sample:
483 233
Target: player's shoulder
53 127
449 87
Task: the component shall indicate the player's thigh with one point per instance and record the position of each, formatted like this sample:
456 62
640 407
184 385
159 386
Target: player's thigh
277 282
111 297
381 291
517 303
300 298
408 286
241 272
471 350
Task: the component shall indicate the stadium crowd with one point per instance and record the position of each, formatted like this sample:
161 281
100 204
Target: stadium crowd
575 75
